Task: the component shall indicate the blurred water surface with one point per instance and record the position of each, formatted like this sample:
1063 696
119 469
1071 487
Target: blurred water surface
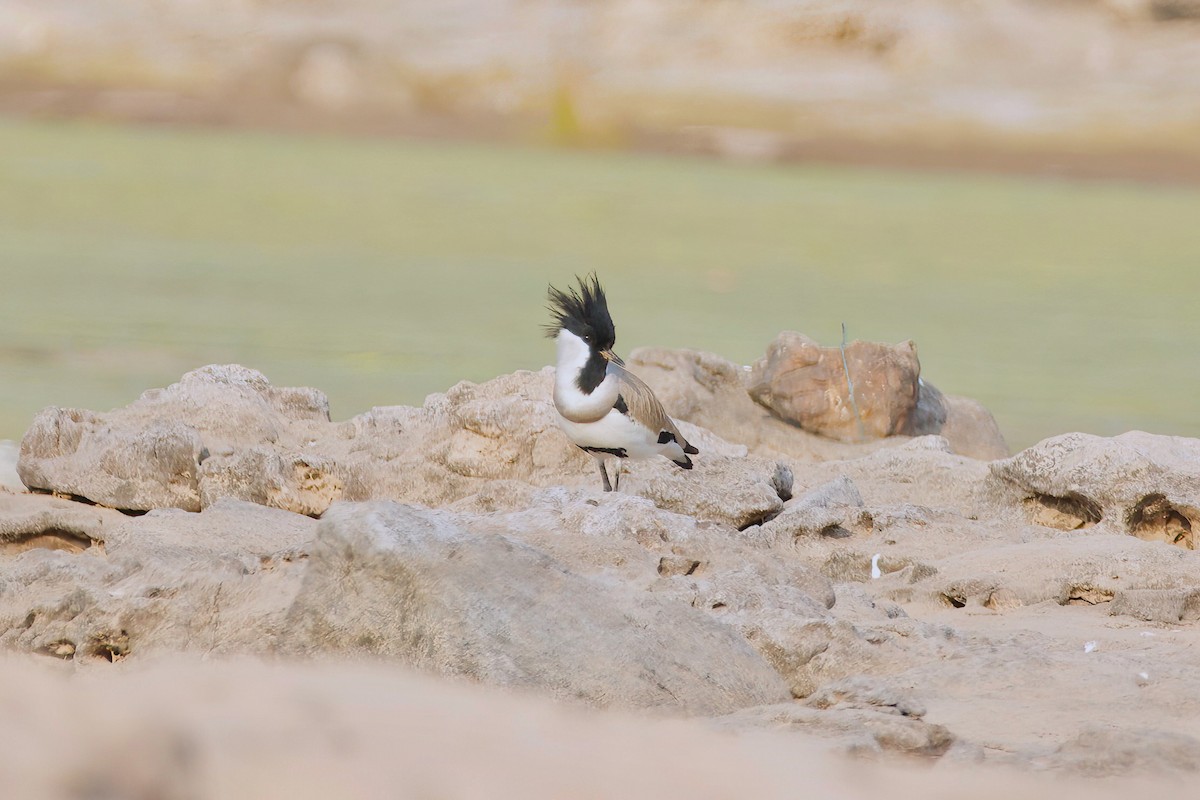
382 270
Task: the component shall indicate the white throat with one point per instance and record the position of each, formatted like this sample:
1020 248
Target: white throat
569 399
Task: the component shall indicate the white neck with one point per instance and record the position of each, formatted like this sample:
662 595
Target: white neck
569 399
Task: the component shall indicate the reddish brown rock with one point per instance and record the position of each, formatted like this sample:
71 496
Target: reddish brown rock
805 383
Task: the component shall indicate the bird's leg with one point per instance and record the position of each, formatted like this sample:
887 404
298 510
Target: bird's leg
604 475
620 469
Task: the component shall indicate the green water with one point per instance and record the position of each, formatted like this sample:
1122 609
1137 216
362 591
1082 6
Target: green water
383 270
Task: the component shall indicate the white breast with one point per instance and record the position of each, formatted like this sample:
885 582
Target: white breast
571 402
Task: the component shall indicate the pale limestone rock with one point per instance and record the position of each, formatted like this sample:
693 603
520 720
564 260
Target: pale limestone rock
391 580
90 584
224 431
834 509
154 452
972 598
1080 569
1137 483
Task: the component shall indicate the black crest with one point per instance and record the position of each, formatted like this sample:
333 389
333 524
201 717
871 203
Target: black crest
584 312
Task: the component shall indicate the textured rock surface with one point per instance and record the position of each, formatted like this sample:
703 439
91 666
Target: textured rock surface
871 717
1138 483
834 509
970 428
910 599
393 580
154 452
1091 570
709 391
84 583
224 431
805 383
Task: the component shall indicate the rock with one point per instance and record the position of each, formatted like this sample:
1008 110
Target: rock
391 580
89 584
1157 582
919 471
1173 10
225 432
9 479
866 693
709 391
732 587
507 429
806 384
810 652
29 522
458 443
834 509
298 482
611 535
1003 600
1105 753
1137 483
152 453
777 602
1158 605
865 716
736 491
781 605
970 429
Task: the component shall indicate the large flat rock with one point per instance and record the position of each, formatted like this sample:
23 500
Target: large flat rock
391 580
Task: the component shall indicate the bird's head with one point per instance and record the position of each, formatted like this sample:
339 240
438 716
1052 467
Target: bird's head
583 313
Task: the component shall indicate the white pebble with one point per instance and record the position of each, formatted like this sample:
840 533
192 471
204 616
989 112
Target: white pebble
875 573
1089 646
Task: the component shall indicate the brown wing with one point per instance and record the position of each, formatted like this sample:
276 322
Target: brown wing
644 407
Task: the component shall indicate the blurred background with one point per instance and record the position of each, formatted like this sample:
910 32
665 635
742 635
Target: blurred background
370 196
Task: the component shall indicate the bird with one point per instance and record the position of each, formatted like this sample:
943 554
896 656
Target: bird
602 407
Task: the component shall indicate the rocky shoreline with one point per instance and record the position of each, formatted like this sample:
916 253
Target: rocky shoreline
892 597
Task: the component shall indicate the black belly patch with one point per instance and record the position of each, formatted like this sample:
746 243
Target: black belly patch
621 406
619 452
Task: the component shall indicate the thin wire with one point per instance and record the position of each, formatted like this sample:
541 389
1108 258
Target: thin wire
862 429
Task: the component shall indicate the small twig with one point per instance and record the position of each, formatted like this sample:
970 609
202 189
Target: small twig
862 429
